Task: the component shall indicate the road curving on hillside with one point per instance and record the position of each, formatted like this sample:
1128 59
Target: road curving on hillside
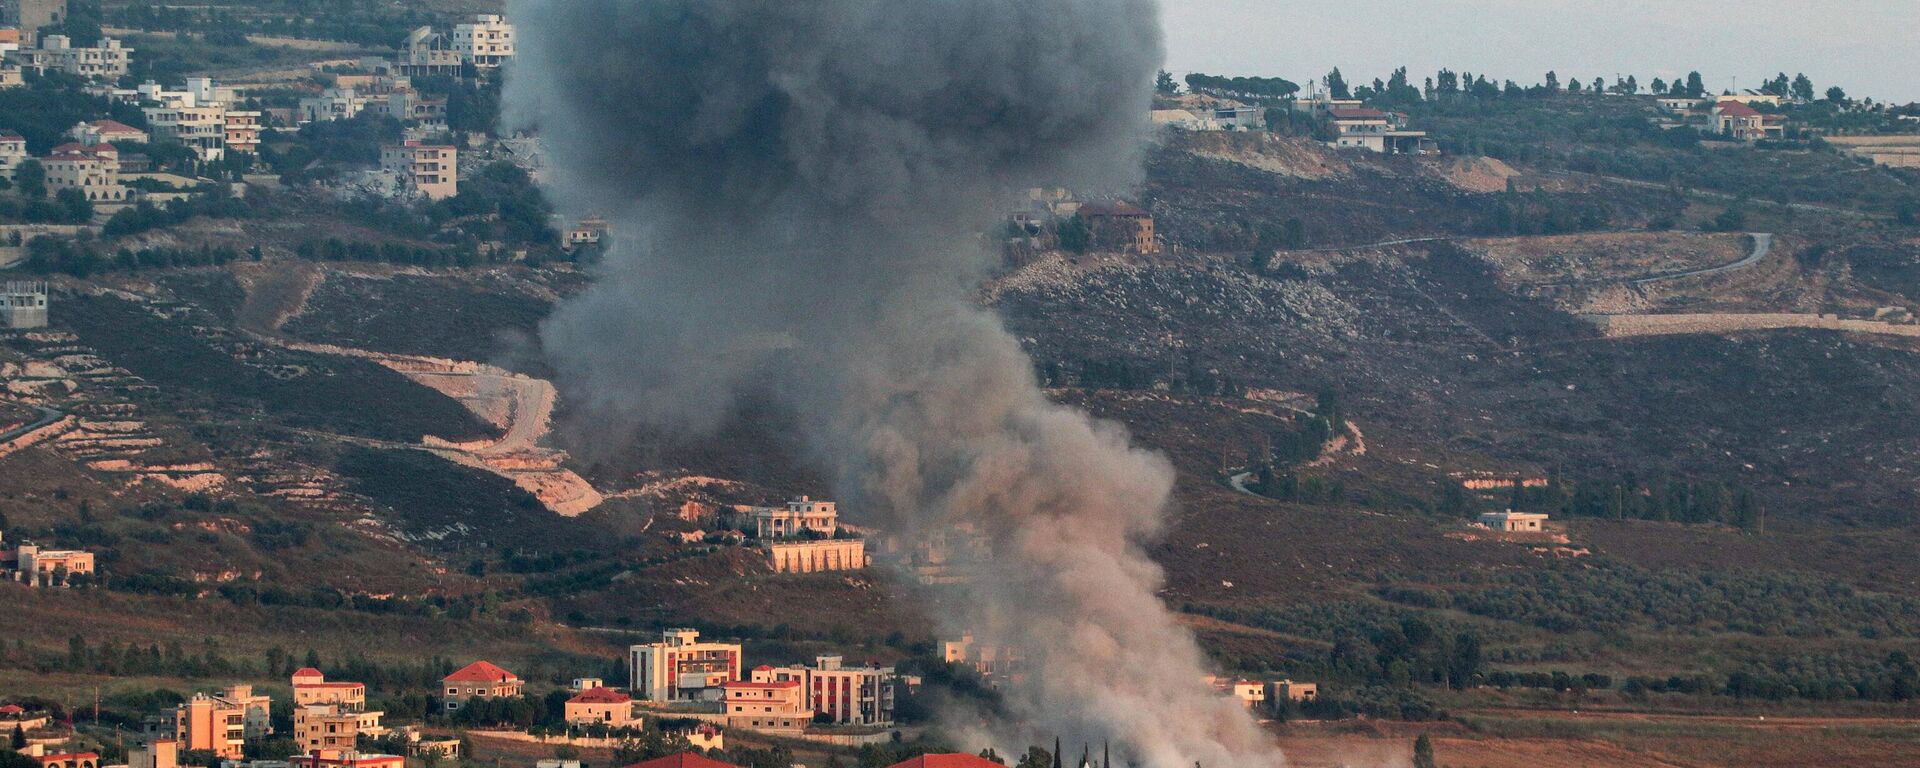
1762 246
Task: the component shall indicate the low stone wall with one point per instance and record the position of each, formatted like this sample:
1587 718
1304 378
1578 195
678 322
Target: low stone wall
37 436
1620 326
817 556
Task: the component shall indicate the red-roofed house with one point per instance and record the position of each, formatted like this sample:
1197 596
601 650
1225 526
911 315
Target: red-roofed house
947 760
683 760
605 706
1120 226
777 707
480 679
94 170
106 132
1736 120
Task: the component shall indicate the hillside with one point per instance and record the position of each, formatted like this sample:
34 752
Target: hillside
261 462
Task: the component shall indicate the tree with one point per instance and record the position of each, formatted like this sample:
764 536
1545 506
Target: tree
1553 81
75 208
1659 86
1837 95
1423 753
1337 85
31 179
1076 235
1803 88
19 741
1599 85
1696 86
1165 84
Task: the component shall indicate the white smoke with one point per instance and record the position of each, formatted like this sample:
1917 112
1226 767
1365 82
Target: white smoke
798 187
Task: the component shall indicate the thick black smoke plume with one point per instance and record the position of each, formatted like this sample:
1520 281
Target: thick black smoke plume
806 182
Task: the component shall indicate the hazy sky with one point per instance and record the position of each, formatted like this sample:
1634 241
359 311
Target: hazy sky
1869 47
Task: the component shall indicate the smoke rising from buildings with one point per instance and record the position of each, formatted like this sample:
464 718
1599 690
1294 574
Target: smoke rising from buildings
799 190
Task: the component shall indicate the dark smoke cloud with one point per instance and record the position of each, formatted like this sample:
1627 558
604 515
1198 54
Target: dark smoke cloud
799 188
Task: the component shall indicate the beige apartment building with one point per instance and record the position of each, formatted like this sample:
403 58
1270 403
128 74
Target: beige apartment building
428 170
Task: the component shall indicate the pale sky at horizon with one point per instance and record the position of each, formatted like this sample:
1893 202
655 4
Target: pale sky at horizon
1869 47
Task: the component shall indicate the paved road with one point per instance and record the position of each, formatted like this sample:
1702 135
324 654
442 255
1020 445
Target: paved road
1762 244
47 416
1403 241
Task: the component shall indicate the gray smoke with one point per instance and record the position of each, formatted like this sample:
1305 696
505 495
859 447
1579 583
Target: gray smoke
799 188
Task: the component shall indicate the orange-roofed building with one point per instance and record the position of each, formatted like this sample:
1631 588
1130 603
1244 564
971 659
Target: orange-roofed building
948 760
481 680
601 705
683 760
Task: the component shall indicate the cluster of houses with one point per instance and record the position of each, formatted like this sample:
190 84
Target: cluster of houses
24 47
1266 697
1111 225
682 669
1352 123
27 562
1729 116
213 120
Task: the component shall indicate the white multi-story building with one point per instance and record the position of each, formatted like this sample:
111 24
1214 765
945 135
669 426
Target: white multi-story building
332 104
426 52
205 91
106 60
485 42
1376 131
681 668
202 127
13 152
428 170
848 695
800 515
93 170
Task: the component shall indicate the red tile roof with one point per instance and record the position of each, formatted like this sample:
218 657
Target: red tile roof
481 672
1111 208
683 760
600 696
307 672
764 668
329 685
951 760
114 126
1737 109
